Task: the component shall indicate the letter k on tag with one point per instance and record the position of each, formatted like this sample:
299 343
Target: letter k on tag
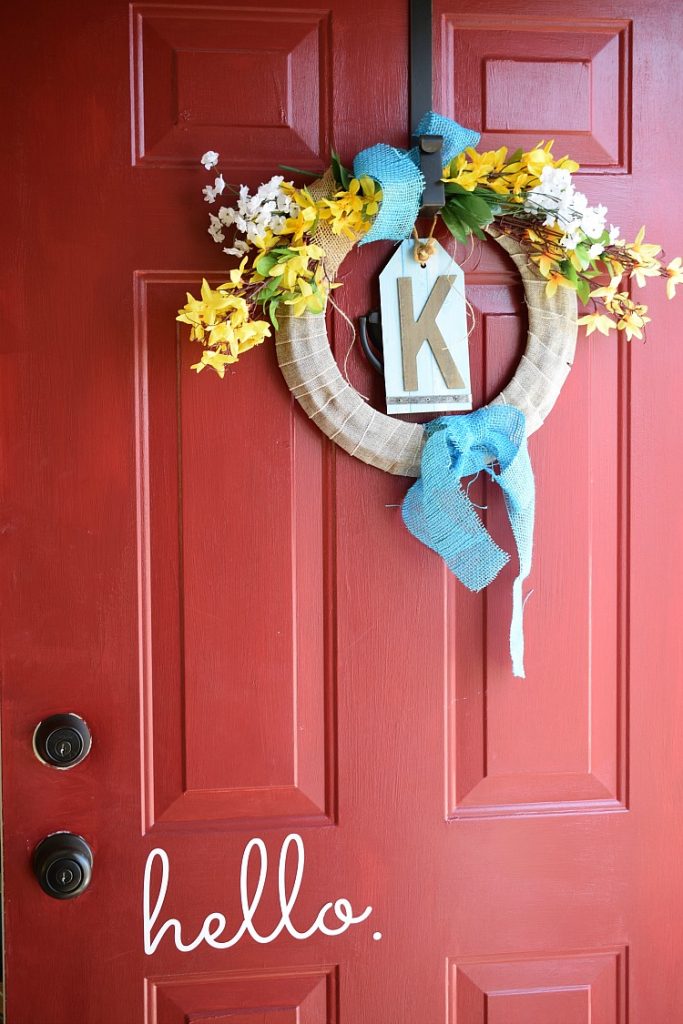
424 330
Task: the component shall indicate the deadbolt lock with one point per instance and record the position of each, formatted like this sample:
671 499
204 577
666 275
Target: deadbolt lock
62 741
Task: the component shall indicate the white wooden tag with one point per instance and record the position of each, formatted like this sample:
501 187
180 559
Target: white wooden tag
424 332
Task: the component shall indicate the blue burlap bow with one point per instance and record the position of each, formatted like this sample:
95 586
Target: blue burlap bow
439 513
398 172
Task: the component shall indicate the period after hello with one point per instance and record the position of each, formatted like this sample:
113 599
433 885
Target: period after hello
334 917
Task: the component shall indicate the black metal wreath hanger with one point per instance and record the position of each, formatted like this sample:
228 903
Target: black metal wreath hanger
421 101
429 147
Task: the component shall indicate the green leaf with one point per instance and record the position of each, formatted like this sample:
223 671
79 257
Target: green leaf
582 253
477 208
568 270
341 175
453 188
484 211
268 290
470 223
265 264
467 218
454 224
272 311
299 170
583 290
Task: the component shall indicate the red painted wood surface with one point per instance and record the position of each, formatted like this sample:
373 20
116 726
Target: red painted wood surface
259 646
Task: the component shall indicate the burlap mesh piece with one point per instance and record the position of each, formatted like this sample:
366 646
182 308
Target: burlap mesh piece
336 246
313 377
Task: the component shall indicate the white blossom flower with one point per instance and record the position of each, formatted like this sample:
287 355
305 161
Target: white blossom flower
287 205
254 232
238 249
554 192
613 234
538 200
270 189
243 201
556 179
210 159
570 240
216 229
209 194
253 216
226 216
595 250
579 202
557 198
593 221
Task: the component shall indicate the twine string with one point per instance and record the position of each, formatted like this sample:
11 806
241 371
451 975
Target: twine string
354 335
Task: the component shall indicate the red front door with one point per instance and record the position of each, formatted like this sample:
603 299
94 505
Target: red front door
258 646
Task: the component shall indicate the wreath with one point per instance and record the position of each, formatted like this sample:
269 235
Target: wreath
291 241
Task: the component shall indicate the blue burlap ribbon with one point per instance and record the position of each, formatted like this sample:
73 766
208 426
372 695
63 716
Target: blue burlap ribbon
439 512
398 173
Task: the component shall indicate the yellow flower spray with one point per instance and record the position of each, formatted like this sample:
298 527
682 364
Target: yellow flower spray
287 268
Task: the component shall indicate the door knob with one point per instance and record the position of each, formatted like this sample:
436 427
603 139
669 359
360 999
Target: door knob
62 740
62 863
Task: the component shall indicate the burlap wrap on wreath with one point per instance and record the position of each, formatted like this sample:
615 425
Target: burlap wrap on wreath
313 377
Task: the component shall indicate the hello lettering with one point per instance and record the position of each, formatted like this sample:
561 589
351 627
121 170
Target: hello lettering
214 930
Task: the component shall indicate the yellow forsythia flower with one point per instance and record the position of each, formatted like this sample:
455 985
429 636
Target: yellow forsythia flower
349 211
674 273
306 219
632 323
221 320
492 170
642 251
555 281
597 322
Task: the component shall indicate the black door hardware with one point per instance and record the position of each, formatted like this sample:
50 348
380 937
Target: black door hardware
370 330
62 863
62 740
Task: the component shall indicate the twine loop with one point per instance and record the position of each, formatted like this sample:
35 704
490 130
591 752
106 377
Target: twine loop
423 250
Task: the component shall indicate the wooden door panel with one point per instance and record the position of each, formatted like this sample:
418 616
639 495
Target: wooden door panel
246 997
264 997
522 78
573 754
176 49
235 587
578 988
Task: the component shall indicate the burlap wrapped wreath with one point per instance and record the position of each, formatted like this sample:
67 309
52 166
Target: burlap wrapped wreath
393 445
